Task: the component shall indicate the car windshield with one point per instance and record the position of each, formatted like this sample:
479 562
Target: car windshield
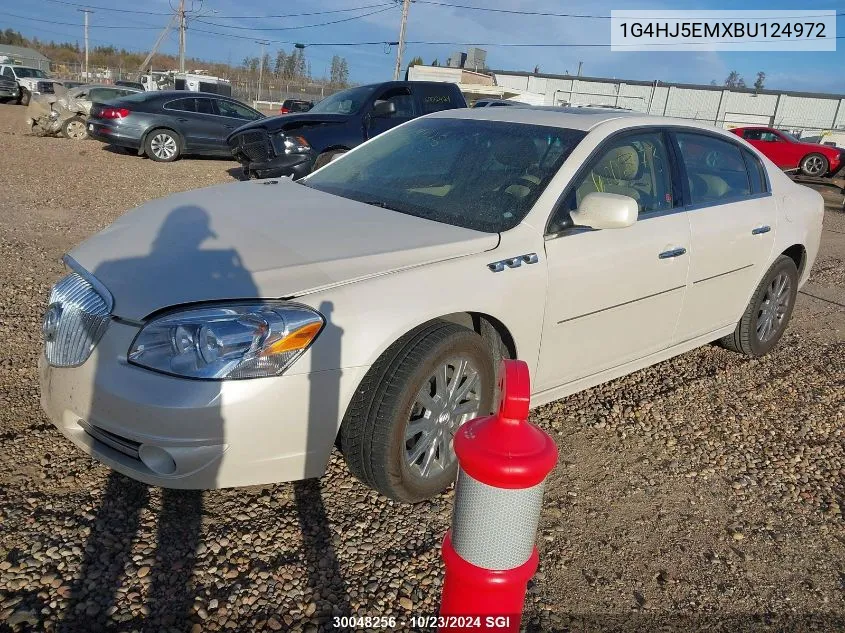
482 175
344 102
20 71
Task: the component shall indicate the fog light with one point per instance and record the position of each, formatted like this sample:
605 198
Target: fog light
157 459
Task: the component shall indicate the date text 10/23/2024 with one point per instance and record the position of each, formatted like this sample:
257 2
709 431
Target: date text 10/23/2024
456 622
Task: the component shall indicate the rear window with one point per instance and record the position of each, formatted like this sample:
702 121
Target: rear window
437 98
756 172
182 105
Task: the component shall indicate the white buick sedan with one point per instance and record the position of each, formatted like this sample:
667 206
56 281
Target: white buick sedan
233 335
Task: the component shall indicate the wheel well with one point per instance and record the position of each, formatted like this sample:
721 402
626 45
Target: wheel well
798 254
494 331
335 148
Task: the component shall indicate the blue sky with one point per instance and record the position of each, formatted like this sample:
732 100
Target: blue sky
807 71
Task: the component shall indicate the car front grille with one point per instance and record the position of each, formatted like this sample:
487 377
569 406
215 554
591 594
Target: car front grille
76 319
255 145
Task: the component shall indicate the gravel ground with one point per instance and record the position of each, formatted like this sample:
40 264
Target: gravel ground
705 493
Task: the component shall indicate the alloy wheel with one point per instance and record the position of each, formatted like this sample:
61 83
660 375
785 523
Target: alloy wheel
163 146
450 397
770 317
813 166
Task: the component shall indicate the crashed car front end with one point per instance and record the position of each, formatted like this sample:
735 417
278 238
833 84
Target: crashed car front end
46 115
271 155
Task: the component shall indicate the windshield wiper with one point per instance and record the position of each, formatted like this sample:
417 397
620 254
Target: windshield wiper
380 203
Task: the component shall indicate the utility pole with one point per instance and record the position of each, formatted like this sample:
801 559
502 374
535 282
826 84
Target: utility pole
182 27
400 50
579 68
260 67
86 12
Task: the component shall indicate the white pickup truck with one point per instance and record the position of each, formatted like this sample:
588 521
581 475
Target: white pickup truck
31 81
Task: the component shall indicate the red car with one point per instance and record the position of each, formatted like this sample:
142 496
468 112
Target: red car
787 152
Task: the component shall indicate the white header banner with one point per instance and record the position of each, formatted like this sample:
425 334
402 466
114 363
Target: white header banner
672 31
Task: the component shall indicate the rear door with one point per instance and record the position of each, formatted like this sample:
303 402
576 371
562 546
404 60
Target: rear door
732 221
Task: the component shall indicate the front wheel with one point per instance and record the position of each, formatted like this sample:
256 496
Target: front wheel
74 128
814 165
162 146
397 434
767 315
24 97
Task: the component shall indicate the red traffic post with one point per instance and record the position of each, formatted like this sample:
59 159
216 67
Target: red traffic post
490 553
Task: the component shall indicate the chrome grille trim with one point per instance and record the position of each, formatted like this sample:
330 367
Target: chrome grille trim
112 440
77 317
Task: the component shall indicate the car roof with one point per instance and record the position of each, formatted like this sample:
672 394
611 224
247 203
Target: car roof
584 119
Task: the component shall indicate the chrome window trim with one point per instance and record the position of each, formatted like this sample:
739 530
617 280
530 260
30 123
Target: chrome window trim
76 267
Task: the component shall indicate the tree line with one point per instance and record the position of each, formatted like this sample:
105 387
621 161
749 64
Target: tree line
735 80
291 66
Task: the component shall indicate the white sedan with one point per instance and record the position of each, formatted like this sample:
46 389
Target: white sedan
233 335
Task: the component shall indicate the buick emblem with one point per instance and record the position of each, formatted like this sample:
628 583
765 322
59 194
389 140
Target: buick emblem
50 327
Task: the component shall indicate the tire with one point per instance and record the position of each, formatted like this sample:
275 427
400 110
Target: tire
163 145
24 97
326 157
814 165
74 128
377 435
747 337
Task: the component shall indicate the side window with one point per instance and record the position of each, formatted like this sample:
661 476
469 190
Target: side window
102 94
235 110
181 105
406 107
436 98
637 166
204 106
752 135
756 172
7 72
715 168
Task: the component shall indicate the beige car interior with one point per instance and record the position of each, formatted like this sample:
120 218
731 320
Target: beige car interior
626 171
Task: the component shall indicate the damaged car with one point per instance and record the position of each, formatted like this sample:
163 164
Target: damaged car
65 111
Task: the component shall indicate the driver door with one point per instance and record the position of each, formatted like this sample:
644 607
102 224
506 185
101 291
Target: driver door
615 295
406 109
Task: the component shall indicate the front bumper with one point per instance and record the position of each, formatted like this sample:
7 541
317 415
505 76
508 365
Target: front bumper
194 434
8 92
289 165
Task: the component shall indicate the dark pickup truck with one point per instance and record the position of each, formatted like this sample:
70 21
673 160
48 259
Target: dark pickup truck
295 144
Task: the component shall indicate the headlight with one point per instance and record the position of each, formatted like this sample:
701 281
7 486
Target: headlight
296 145
227 341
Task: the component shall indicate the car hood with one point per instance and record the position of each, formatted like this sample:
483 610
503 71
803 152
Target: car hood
276 123
258 239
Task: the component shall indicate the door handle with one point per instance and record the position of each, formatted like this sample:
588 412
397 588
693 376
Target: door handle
760 230
675 252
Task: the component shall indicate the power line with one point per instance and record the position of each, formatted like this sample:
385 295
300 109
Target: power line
293 28
98 8
577 15
99 26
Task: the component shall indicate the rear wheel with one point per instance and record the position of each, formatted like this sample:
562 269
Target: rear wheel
74 128
397 434
767 315
814 165
162 146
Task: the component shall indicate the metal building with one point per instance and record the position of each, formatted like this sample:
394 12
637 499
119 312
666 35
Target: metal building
24 57
725 107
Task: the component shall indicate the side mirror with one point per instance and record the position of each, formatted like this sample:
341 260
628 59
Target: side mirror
606 211
383 109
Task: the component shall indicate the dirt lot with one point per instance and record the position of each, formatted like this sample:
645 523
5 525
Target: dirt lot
705 493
